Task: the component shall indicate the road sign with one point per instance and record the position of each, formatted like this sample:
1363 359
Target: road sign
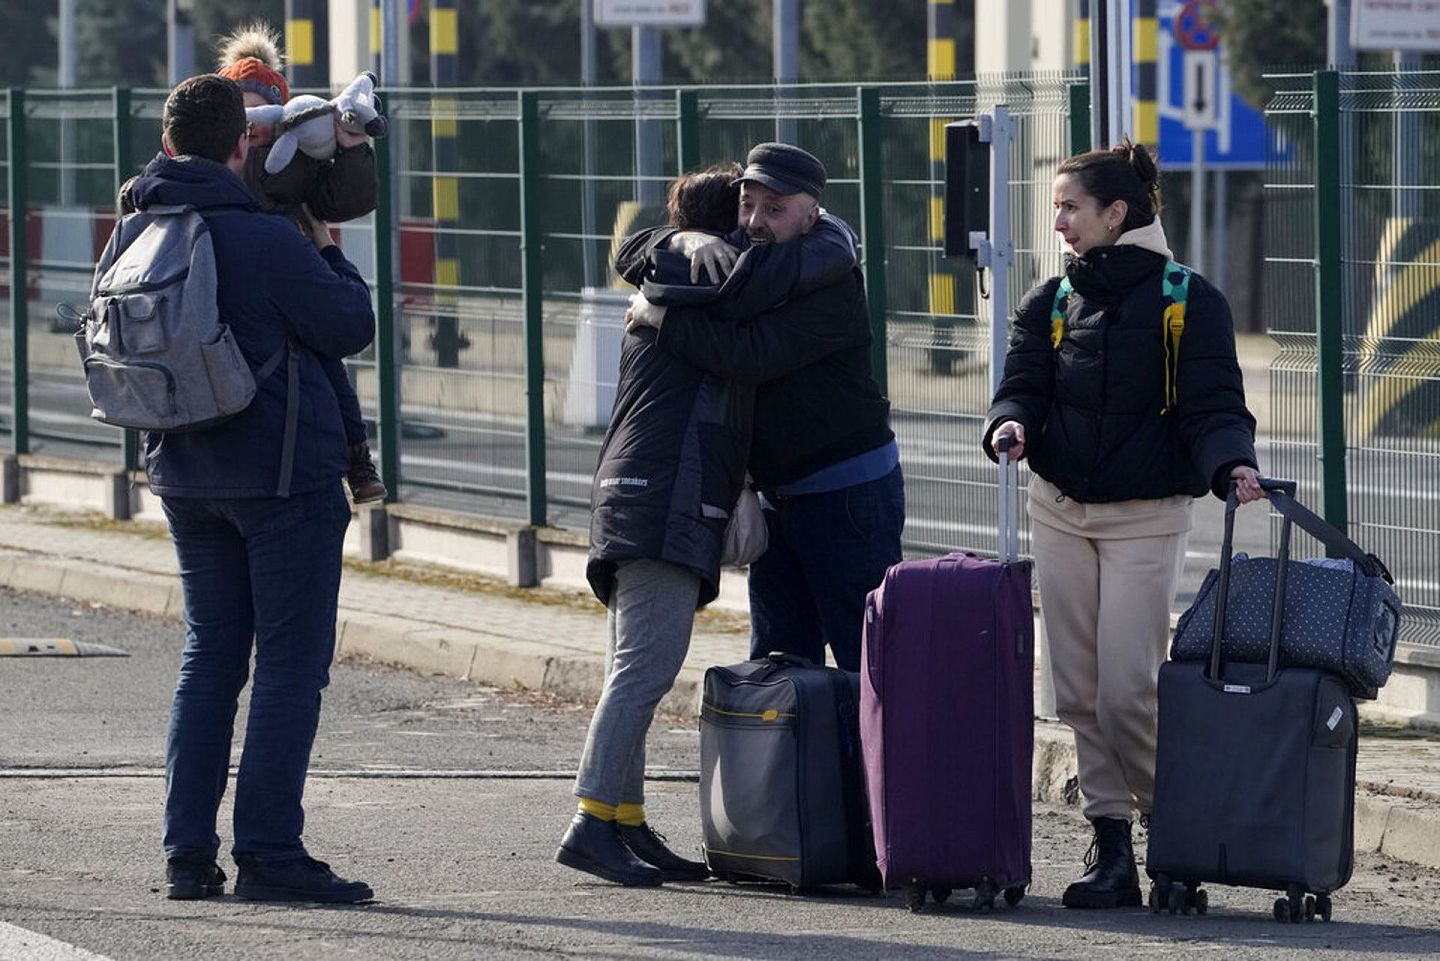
1236 138
1192 28
1388 25
1200 93
649 13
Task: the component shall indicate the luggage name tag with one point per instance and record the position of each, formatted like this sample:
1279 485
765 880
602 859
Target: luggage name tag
1336 716
1237 688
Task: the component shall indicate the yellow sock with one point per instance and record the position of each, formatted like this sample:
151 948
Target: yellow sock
599 809
630 815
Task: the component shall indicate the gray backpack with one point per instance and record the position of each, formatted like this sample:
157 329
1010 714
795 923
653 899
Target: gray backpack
156 356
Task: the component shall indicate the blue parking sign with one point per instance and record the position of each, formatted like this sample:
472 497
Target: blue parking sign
1238 142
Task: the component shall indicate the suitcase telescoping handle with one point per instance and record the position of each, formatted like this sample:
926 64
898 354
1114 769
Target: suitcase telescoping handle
1272 487
1281 494
1009 500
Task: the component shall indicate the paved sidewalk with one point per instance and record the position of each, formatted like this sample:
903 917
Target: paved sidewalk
542 639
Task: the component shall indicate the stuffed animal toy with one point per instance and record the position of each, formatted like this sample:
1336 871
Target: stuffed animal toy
307 123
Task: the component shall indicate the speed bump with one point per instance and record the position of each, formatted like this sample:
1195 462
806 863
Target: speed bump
54 647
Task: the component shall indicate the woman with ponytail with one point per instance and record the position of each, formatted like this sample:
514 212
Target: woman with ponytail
1122 389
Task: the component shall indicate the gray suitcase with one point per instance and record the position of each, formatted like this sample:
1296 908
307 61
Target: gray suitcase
1254 774
781 782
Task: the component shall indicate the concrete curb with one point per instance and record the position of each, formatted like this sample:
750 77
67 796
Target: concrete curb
1403 828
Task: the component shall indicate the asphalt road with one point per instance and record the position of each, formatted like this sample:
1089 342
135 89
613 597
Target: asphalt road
462 865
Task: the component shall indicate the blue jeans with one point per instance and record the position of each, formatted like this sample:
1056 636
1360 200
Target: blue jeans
827 551
267 571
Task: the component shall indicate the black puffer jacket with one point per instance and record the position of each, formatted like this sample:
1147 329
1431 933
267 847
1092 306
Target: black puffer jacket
1093 409
673 460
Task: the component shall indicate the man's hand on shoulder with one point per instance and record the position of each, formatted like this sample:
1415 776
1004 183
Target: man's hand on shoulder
709 255
642 313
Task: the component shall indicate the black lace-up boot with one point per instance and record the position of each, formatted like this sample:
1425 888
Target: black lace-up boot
1110 880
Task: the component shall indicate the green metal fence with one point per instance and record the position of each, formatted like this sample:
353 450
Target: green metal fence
493 372
1353 301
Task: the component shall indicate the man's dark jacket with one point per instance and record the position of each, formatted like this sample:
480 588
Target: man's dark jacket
673 460
816 399
271 284
1094 410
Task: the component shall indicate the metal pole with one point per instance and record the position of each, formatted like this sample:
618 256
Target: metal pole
1219 225
531 283
872 227
179 40
19 282
1406 159
645 72
124 166
1329 298
587 185
1001 249
67 81
387 365
447 340
1196 253
786 43
687 133
307 43
392 36
1111 83
1338 51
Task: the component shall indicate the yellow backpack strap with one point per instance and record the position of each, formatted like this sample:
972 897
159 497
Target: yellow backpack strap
1057 311
1174 291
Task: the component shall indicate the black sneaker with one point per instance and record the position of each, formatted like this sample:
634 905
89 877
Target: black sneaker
301 879
365 484
648 845
190 879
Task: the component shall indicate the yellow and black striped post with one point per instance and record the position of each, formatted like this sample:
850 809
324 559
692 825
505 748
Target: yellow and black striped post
447 340
307 44
940 61
377 41
1147 115
1080 48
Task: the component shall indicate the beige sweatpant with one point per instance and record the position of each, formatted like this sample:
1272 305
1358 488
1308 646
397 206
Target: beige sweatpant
1106 603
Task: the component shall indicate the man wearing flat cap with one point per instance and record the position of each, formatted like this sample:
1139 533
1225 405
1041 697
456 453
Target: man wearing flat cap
823 455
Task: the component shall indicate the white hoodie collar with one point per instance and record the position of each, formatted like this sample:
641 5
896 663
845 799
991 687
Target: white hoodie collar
1151 237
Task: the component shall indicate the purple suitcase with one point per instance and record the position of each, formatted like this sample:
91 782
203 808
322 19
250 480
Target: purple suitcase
947 722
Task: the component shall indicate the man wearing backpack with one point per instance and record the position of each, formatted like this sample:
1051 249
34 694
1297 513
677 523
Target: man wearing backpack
256 567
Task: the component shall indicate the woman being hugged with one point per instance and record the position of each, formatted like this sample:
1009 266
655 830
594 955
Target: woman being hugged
1122 388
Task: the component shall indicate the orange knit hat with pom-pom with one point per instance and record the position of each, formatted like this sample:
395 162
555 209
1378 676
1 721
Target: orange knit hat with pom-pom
254 76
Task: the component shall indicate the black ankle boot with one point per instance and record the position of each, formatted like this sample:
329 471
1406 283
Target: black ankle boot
594 846
189 879
648 845
1111 880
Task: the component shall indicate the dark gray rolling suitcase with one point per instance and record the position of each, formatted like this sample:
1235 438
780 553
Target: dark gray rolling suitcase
1254 773
781 783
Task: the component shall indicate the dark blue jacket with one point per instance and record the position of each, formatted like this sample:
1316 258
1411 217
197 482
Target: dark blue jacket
673 460
271 284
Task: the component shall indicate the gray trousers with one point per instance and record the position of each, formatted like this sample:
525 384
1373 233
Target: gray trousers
652 611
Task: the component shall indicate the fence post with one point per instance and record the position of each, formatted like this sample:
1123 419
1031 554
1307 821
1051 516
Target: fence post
387 414
687 113
124 163
1079 118
19 305
872 225
531 281
1329 298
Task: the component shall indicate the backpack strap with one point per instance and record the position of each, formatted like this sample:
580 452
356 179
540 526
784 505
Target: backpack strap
288 352
1175 291
1057 311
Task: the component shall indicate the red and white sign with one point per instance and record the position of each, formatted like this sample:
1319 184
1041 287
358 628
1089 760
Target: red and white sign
1193 29
1395 25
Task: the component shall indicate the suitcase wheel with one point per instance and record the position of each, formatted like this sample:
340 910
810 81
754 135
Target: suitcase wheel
915 897
1201 900
941 895
1295 906
985 893
1322 906
1013 895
